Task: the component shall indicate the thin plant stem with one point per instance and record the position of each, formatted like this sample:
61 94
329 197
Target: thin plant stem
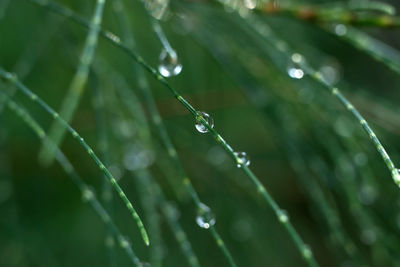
13 79
301 246
77 86
157 121
88 194
281 46
102 137
129 98
317 14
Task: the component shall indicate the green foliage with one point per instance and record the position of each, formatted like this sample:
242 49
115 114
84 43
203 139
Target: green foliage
306 89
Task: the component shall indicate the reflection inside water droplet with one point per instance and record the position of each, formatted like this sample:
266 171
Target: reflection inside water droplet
205 218
242 159
169 64
199 126
294 70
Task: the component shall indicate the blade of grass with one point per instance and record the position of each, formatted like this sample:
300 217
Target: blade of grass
281 46
88 194
13 79
77 86
301 246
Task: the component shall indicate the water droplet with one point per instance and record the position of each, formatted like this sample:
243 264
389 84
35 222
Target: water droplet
294 70
87 194
283 216
169 64
199 126
124 242
340 29
250 4
205 218
144 264
242 159
306 252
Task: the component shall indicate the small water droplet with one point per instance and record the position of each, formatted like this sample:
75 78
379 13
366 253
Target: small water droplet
283 216
124 242
294 70
340 29
144 264
87 194
199 126
169 64
242 159
205 218
306 252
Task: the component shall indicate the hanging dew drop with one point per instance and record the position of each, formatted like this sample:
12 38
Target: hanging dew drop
169 64
205 218
294 70
199 126
242 159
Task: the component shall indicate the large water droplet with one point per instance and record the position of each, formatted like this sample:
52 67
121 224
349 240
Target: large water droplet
205 218
242 159
294 70
169 64
199 126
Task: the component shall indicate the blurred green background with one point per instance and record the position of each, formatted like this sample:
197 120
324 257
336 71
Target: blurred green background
302 143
